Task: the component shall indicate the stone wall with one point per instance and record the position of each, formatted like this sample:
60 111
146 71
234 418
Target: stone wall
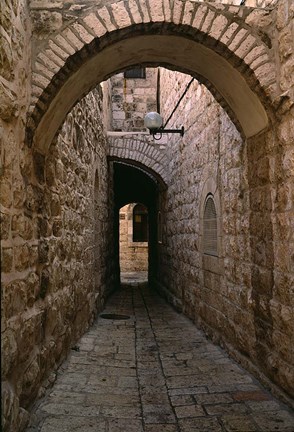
133 255
18 229
242 297
56 241
54 249
132 98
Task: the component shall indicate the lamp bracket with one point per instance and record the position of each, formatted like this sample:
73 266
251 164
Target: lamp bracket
161 130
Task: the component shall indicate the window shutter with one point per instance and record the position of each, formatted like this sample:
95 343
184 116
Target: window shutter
210 228
138 72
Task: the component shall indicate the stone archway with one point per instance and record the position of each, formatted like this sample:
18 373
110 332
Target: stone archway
146 156
234 51
221 45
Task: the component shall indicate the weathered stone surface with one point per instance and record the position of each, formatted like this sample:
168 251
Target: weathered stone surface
122 375
46 22
243 297
55 208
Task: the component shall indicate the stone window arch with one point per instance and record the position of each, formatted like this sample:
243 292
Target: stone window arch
210 227
210 233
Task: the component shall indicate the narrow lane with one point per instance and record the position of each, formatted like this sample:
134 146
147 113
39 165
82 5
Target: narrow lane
154 372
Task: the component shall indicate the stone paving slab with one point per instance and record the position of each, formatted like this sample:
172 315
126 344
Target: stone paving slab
154 372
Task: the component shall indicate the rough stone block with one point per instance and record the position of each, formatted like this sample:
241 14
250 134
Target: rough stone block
105 18
229 33
94 24
208 22
218 27
135 13
156 11
199 16
190 8
121 14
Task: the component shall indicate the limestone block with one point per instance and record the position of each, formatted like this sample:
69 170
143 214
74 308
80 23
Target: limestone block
57 228
199 16
23 418
72 39
22 257
46 22
283 197
9 351
6 193
82 33
238 38
22 227
282 317
285 43
7 260
33 198
178 6
50 173
208 22
19 193
15 296
105 18
30 380
64 44
287 74
9 106
226 37
282 14
44 283
218 26
10 407
26 334
121 14
188 12
5 225
259 18
43 251
286 130
94 23
32 284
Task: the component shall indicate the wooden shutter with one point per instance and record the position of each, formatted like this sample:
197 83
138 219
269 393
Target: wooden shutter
210 228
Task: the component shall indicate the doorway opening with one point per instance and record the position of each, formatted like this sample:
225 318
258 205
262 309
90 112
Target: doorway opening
133 243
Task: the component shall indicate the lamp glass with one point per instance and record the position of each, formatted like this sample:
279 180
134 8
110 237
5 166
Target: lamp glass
153 120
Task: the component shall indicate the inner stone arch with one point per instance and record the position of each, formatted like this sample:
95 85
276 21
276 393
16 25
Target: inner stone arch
173 51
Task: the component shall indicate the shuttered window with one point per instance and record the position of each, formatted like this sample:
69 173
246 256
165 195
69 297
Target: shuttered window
140 223
138 72
210 228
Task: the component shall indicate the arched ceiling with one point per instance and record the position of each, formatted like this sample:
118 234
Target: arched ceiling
132 184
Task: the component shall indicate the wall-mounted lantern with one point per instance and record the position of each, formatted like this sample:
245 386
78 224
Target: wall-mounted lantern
153 121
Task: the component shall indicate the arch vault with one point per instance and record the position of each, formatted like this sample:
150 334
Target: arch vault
212 42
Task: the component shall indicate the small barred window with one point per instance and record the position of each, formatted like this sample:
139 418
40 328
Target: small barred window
138 72
210 228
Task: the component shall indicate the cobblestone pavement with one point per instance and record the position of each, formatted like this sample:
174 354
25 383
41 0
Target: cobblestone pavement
154 372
